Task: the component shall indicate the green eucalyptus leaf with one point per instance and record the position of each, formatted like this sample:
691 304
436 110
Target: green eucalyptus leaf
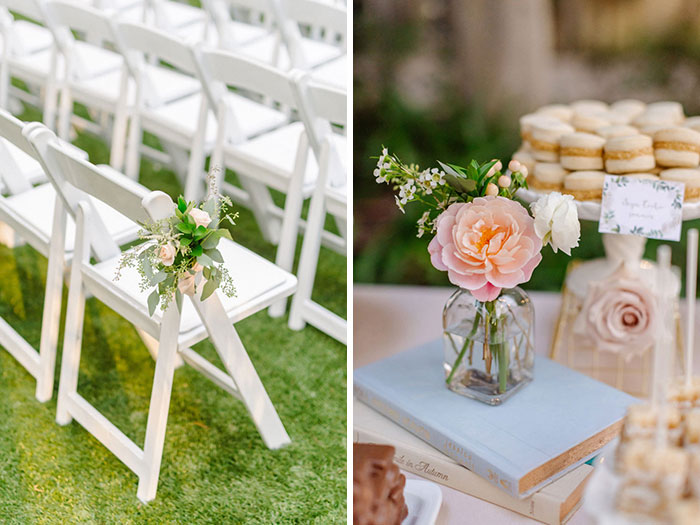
205 260
159 277
185 227
148 269
153 301
215 255
210 207
225 233
449 170
461 185
197 250
212 240
209 288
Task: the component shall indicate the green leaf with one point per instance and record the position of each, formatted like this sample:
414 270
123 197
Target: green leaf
205 260
206 272
460 184
449 170
181 204
197 250
148 269
210 207
159 277
225 233
212 240
209 288
153 301
215 255
185 227
200 232
184 241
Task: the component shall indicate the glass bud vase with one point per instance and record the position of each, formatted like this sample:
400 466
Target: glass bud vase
489 346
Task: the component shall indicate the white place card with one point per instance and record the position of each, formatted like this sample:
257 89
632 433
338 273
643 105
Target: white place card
650 208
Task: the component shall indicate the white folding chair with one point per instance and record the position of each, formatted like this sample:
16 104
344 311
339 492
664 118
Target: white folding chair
37 215
321 105
239 22
94 75
178 18
29 55
187 124
258 283
278 159
326 21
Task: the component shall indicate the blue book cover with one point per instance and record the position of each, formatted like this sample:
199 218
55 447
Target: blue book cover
555 423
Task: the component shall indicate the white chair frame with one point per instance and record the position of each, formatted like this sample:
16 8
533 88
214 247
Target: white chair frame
242 381
321 105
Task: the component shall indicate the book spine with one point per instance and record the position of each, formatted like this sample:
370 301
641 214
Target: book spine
440 441
539 507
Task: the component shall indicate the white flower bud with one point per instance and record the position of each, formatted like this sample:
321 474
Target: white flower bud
514 166
504 181
492 189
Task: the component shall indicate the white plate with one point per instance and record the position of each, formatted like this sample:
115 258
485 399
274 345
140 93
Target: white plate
423 499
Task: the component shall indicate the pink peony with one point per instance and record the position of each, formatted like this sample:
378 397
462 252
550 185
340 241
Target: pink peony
486 245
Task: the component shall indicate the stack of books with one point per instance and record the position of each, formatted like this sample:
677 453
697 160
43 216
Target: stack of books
527 455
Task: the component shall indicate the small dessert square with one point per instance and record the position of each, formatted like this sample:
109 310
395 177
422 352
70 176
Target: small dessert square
628 154
689 177
585 185
581 151
544 138
548 176
677 147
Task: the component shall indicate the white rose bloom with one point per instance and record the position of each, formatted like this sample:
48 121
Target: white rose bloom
556 221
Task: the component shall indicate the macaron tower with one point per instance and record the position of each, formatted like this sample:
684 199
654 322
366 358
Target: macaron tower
572 147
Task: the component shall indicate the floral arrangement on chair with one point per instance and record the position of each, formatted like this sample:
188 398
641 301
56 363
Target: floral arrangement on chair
179 248
483 238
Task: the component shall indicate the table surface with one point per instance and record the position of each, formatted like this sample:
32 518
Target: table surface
388 319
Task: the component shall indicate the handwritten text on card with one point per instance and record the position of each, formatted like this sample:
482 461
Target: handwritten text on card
645 207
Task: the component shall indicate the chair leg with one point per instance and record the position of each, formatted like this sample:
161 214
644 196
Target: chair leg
51 318
261 203
72 342
160 404
133 152
308 261
288 240
119 129
64 113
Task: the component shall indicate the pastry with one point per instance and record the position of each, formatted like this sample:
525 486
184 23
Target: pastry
640 424
589 106
677 147
581 151
558 111
660 113
585 185
689 177
548 176
609 132
526 122
589 121
642 176
377 486
628 154
544 138
630 108
692 123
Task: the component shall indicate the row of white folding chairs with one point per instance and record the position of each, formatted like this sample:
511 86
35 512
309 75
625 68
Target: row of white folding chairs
88 211
270 32
175 106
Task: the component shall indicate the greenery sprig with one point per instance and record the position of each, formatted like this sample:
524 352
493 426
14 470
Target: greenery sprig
437 188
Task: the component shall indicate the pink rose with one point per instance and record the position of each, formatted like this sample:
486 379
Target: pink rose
186 284
618 314
486 245
167 254
200 217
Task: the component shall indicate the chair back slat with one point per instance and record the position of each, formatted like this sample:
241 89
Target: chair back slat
230 69
328 102
11 130
150 41
330 17
10 173
81 18
28 8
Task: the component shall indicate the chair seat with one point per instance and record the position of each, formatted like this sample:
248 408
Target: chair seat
30 169
37 65
240 33
29 38
180 118
35 208
254 118
168 85
334 73
253 276
177 15
95 61
284 143
315 52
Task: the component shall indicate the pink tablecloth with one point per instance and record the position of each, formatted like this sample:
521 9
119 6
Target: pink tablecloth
388 319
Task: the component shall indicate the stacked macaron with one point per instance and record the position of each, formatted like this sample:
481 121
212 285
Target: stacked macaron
571 147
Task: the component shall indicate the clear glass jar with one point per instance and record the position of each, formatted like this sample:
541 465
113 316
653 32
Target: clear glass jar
489 347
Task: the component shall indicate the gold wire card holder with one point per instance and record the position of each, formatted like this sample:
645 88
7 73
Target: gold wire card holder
632 374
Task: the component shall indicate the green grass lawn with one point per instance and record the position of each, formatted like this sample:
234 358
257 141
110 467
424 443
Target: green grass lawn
215 467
